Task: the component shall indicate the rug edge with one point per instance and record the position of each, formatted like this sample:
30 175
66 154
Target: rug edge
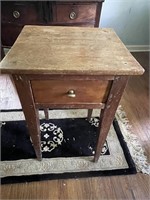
135 148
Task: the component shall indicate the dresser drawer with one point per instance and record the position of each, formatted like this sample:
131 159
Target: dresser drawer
19 13
75 13
70 91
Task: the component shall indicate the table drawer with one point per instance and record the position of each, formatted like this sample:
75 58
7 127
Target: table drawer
59 91
75 13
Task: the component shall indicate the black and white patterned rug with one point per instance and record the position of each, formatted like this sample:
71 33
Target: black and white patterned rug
68 146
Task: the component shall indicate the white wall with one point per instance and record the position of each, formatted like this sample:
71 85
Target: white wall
129 18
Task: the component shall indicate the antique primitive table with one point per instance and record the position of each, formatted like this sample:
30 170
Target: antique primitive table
69 67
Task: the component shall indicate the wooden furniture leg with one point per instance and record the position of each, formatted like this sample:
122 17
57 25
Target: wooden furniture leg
108 113
46 113
89 114
30 111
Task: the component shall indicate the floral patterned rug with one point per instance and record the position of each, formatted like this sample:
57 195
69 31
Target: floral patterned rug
68 142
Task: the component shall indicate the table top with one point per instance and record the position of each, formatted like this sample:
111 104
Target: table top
69 50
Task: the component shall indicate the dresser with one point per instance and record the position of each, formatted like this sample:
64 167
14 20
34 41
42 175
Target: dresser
16 14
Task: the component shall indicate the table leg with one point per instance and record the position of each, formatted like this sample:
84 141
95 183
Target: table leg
31 113
46 113
108 113
89 114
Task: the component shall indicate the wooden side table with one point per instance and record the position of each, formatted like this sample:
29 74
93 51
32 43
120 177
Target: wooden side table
69 67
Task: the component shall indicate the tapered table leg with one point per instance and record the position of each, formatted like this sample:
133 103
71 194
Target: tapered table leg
89 114
108 113
46 113
31 113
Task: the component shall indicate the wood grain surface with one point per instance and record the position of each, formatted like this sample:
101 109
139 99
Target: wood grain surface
56 91
83 13
30 111
108 113
69 50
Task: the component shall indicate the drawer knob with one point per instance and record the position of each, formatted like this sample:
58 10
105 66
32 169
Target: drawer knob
73 15
16 14
71 93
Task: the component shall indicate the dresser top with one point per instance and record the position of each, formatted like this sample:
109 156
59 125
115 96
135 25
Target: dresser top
69 50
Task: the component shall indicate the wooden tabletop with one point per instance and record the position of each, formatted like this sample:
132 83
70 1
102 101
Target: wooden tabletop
69 50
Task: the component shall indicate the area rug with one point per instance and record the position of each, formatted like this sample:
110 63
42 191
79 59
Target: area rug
68 145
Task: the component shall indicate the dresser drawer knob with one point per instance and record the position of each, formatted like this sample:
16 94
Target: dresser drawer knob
71 93
16 14
73 15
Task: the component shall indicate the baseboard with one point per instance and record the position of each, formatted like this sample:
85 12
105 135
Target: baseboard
138 48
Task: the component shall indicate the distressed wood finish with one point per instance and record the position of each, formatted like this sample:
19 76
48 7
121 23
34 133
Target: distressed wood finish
72 50
76 59
69 77
108 113
71 106
30 111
